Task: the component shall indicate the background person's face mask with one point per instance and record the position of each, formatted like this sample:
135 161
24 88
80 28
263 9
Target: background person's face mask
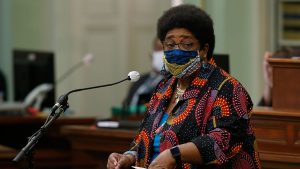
157 60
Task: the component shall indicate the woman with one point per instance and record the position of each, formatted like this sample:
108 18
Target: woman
199 116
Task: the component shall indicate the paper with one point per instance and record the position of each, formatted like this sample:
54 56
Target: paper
137 167
108 124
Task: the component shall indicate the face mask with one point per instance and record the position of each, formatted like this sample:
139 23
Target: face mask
157 60
182 63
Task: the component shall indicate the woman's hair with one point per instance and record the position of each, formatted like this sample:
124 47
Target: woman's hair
191 18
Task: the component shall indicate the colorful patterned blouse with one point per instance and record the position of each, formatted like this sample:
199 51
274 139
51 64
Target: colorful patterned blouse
213 113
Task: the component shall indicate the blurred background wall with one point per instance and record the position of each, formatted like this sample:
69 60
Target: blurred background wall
119 34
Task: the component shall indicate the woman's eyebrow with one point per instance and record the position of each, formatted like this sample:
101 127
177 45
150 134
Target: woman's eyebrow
170 37
186 36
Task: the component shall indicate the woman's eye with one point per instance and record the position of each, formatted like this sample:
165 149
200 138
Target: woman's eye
187 46
170 45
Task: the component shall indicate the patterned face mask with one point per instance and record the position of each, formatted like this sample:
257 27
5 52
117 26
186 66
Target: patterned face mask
182 63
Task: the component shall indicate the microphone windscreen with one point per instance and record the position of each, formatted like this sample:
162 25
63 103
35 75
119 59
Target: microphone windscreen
134 76
88 58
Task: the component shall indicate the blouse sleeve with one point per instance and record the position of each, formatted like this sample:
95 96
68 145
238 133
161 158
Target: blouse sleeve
228 126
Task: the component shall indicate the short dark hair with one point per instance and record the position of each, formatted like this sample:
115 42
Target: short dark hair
191 18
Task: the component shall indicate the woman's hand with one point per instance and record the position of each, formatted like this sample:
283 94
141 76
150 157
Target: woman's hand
117 161
163 160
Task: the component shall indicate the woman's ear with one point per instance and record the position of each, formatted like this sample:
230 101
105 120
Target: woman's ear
203 52
205 48
202 55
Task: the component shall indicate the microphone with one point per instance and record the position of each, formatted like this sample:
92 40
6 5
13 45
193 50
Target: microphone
86 60
133 76
37 95
62 104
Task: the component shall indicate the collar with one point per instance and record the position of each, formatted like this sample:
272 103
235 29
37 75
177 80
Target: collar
193 90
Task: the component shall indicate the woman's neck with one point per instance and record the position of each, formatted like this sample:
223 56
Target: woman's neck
183 83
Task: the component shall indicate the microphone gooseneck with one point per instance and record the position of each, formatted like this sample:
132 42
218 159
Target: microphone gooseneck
94 87
62 105
86 60
133 76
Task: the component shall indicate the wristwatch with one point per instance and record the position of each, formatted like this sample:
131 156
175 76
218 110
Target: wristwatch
177 156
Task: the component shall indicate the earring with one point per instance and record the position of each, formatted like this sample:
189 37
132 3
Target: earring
204 58
204 62
163 71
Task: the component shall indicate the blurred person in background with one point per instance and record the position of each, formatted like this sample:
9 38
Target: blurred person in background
140 92
284 52
3 90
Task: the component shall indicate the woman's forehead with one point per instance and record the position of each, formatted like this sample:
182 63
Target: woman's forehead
179 33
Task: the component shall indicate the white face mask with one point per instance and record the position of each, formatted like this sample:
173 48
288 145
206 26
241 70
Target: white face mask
157 60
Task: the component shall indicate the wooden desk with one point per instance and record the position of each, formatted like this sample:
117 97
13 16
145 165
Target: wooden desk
6 154
91 146
277 133
278 137
15 129
52 151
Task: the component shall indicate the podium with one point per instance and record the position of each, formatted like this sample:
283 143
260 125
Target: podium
286 83
277 128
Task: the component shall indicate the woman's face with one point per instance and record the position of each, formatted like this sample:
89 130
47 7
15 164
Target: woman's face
182 52
181 38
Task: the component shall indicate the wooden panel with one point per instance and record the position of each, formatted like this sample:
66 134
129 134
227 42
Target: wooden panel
286 90
276 132
277 135
297 137
6 155
92 146
106 58
99 10
107 29
52 151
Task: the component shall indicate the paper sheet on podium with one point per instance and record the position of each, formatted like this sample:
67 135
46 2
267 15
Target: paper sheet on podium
137 167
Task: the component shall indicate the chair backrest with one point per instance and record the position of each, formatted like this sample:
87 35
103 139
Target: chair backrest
37 95
3 89
222 60
32 68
